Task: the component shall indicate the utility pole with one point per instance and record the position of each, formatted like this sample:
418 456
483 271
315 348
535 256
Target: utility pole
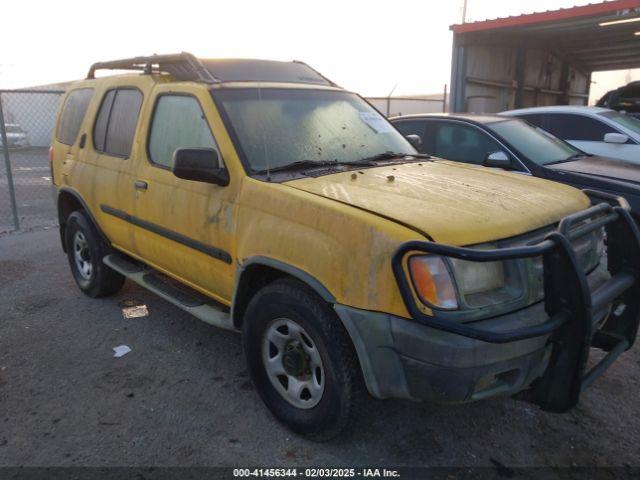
464 11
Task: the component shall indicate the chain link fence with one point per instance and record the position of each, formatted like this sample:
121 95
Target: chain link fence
27 119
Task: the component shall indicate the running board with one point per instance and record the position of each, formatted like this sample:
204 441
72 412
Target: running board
183 297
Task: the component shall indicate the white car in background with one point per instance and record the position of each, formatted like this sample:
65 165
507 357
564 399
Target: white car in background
16 136
595 130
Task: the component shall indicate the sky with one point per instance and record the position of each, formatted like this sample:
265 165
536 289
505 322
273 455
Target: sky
370 47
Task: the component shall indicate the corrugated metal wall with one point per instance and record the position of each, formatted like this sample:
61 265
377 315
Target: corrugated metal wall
491 78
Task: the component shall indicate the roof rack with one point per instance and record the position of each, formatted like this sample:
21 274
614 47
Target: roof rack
183 66
331 82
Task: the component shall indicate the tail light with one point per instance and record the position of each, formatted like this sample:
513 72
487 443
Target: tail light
51 163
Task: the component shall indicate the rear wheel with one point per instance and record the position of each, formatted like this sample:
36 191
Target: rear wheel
301 360
85 251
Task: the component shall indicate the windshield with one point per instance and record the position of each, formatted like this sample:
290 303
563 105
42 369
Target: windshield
536 144
277 127
623 120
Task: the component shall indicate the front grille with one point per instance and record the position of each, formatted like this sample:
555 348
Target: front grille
589 250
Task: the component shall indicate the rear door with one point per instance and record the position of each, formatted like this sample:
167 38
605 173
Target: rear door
108 160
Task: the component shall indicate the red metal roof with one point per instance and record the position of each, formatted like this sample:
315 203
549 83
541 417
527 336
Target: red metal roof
593 9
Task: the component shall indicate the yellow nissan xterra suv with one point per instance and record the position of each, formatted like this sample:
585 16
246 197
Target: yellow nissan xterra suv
261 197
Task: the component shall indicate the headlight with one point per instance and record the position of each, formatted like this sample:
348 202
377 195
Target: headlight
589 249
482 284
449 284
432 282
477 277
445 283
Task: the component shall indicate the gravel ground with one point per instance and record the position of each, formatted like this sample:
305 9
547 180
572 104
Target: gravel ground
35 195
182 397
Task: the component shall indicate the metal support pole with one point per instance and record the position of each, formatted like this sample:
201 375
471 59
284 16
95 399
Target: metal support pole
520 74
444 99
7 164
565 84
457 91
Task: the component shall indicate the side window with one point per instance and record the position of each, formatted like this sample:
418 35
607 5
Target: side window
100 128
73 112
413 127
463 143
536 119
630 91
178 122
116 121
578 127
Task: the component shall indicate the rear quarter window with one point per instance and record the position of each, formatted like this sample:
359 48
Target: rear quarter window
73 112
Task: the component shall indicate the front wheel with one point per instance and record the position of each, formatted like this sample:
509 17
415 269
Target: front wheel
301 360
85 251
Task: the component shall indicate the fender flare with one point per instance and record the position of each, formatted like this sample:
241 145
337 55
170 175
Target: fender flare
327 296
283 267
86 209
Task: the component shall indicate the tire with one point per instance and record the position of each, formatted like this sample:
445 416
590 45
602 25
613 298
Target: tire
85 251
331 373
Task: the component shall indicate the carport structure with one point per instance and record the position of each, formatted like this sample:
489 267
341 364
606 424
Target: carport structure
542 58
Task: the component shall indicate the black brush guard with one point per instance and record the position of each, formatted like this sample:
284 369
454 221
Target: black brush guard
569 303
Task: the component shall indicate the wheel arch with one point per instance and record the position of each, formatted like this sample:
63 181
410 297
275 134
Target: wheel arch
256 272
68 202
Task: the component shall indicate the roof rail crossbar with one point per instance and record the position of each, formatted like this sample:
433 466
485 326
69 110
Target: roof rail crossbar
183 66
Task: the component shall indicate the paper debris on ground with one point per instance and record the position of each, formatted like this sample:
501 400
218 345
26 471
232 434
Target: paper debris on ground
121 351
135 311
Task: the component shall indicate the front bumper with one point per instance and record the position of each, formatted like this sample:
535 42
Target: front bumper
545 346
405 359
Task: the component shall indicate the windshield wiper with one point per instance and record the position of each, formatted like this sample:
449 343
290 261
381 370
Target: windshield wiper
389 156
366 161
572 158
300 164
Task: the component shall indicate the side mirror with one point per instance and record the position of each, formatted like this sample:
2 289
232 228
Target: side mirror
415 141
616 138
199 165
497 159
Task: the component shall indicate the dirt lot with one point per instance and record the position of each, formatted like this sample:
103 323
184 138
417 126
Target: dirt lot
182 396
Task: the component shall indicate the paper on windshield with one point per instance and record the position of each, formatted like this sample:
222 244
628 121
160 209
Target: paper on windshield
377 123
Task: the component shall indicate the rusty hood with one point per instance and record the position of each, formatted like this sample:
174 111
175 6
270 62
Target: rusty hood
449 202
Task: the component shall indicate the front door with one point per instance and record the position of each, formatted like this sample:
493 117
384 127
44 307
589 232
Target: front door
184 228
588 134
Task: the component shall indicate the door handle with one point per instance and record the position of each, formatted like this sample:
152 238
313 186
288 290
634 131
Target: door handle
83 140
141 185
